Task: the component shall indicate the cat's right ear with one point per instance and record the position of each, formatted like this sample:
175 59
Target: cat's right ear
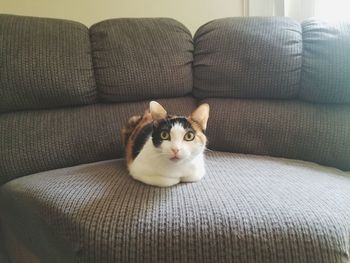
201 115
157 111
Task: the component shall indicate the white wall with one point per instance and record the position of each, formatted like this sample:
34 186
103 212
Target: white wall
192 13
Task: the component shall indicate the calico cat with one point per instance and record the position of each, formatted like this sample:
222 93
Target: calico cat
163 150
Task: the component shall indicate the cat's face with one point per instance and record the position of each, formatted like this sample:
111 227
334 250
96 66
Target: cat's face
179 139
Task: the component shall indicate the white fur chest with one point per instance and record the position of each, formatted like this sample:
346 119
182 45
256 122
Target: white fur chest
149 168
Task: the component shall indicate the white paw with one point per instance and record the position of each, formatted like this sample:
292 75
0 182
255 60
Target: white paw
192 178
159 181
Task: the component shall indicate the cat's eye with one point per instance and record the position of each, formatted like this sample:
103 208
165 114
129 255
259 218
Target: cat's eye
164 135
189 136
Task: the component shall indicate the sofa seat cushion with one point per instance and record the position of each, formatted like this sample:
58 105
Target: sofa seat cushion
246 209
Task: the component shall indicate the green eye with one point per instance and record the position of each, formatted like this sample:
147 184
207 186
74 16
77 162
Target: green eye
189 136
164 135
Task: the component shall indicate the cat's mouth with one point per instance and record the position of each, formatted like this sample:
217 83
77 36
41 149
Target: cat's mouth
175 158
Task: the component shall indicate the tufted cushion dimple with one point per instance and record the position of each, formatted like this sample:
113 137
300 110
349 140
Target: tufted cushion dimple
143 58
44 63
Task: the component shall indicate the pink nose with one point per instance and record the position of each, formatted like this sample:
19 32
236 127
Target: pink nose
175 150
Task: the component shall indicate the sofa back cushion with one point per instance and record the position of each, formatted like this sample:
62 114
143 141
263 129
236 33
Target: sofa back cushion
47 74
44 63
269 70
34 141
326 62
291 129
144 58
248 58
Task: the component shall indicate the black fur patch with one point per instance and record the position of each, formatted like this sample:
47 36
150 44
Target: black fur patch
141 139
166 125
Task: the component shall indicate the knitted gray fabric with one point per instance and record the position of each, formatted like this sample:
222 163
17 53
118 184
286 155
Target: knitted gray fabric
44 63
137 59
326 62
248 58
246 209
292 129
37 141
3 254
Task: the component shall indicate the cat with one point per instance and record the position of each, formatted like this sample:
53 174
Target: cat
163 150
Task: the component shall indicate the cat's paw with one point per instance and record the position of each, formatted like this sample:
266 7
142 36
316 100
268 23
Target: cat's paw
159 181
192 178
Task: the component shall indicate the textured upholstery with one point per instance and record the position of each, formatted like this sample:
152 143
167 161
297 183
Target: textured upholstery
246 209
137 59
292 129
326 62
36 141
44 63
248 58
276 58
273 58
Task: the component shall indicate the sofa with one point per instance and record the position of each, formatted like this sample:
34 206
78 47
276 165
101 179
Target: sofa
277 183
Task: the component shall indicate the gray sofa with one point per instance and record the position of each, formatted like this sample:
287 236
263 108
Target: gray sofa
277 187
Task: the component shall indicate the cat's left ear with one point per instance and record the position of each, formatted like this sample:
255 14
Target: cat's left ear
201 115
157 111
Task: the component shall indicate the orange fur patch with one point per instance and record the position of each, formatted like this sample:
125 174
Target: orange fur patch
145 120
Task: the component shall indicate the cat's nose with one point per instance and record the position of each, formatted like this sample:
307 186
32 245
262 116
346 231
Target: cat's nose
175 150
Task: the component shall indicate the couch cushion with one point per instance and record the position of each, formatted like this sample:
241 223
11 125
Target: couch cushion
246 209
143 58
326 62
248 58
42 140
292 129
44 63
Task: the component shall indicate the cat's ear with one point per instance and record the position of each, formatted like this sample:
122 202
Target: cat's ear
157 111
201 115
